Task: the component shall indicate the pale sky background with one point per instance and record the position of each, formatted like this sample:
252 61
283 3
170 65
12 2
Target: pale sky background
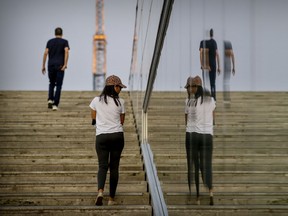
257 28
27 25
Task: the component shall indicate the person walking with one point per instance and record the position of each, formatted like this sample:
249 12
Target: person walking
229 67
199 107
57 50
212 57
108 115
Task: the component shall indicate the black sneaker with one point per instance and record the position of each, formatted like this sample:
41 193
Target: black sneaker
99 199
211 201
50 104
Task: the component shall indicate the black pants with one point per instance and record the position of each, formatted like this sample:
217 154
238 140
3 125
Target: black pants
212 77
109 148
199 148
56 77
209 81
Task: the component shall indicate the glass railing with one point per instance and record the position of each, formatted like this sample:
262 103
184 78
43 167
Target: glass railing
239 23
146 26
150 31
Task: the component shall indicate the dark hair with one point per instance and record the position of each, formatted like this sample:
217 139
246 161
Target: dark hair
203 93
211 32
110 92
189 95
58 31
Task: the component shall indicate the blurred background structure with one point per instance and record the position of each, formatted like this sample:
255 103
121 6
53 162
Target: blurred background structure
99 49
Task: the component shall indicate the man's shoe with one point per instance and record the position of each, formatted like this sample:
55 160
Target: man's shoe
112 202
211 200
50 104
54 108
99 199
197 200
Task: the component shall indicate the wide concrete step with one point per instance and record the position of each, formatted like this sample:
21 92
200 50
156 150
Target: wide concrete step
66 187
9 150
235 187
56 138
225 142
226 167
56 159
238 115
222 126
65 176
51 130
230 176
64 167
65 144
76 210
230 159
230 150
227 210
278 136
90 176
228 198
69 198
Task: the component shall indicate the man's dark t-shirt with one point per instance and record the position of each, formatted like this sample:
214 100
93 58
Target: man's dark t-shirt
56 48
212 46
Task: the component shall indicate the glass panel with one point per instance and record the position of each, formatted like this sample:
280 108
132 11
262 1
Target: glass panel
256 31
147 20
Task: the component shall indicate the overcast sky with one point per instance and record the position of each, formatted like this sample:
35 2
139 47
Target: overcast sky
257 29
27 25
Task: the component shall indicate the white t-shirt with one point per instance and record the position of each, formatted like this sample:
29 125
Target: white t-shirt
200 117
108 115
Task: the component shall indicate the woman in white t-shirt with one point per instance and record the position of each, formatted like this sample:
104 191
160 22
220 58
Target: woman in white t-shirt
199 108
108 115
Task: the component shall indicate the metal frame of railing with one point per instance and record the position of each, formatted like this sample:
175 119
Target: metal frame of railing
157 199
162 28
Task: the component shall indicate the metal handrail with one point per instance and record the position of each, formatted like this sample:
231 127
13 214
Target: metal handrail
157 200
162 28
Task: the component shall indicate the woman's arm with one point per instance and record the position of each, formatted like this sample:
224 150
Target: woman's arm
93 116
122 118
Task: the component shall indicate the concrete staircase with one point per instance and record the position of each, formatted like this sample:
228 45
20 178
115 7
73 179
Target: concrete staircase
48 163
250 163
